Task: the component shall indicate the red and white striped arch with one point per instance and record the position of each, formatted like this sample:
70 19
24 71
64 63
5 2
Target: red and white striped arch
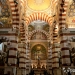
32 17
39 16
35 31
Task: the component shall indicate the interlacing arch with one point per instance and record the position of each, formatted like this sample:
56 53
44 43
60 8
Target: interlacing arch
35 31
39 16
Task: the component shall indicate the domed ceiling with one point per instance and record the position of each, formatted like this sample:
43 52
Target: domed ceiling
45 6
38 4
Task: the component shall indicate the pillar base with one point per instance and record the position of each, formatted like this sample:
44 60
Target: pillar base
50 71
19 71
56 71
8 69
27 71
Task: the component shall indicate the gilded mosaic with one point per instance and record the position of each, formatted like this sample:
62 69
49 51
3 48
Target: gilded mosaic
38 52
72 9
5 19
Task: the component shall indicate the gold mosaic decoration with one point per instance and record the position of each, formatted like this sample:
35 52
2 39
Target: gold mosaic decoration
5 17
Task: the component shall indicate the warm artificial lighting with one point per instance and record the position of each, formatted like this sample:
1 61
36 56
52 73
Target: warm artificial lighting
38 5
38 47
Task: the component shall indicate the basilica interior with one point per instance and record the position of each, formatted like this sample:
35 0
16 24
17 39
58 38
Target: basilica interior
37 37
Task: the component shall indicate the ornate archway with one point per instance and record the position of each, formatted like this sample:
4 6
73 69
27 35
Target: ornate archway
42 31
39 16
38 52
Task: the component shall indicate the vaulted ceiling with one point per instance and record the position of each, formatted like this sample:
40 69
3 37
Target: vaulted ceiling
38 10
31 10
45 10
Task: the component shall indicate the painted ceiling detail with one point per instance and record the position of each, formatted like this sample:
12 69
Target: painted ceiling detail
38 10
5 17
39 25
30 28
46 28
38 4
70 17
72 9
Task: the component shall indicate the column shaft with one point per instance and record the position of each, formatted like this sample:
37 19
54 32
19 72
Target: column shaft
62 32
55 58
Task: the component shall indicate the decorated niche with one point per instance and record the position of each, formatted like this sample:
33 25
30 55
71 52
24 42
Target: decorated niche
38 52
39 36
70 20
5 16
